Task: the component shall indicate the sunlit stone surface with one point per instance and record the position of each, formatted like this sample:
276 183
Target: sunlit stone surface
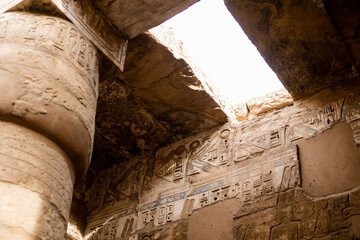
166 164
49 82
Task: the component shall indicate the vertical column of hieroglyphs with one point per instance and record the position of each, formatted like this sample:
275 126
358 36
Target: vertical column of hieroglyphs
48 94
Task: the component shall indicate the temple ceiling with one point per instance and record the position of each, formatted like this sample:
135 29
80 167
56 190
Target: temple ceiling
135 17
157 98
310 45
155 101
151 99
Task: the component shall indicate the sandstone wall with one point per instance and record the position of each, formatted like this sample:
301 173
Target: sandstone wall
48 93
292 173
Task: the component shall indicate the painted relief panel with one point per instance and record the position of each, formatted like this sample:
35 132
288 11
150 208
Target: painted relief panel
203 154
119 226
223 163
99 31
351 114
61 35
116 186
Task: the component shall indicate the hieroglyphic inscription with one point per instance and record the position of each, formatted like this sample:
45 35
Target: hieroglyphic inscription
94 27
351 114
273 173
204 154
258 144
38 31
118 227
208 152
116 185
159 215
328 115
91 24
273 168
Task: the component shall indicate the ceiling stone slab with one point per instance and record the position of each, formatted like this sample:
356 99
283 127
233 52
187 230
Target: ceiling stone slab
137 16
298 41
345 15
168 88
124 128
157 100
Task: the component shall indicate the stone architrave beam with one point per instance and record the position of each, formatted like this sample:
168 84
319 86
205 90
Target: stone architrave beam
94 27
7 4
91 24
307 53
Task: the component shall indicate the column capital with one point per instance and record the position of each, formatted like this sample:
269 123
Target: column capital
88 21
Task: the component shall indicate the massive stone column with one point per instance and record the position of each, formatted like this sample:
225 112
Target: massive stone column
48 93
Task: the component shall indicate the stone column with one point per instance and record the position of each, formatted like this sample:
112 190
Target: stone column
48 94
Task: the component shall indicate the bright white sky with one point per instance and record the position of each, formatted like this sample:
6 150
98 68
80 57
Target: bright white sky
223 51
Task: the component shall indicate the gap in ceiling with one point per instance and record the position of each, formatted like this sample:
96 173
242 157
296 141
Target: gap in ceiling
218 46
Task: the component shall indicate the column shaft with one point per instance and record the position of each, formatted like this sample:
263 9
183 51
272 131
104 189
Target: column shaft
48 94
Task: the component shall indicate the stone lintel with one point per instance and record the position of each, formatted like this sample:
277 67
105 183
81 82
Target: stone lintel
7 4
307 54
91 24
271 101
98 30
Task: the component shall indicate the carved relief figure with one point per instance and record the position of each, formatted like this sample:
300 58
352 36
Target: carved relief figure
116 185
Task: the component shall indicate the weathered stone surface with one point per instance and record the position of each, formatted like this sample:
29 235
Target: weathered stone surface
7 4
36 180
48 89
124 127
342 163
295 216
96 28
135 17
206 223
132 121
261 105
252 166
54 95
306 53
85 17
138 188
168 88
269 102
127 126
345 16
77 220
241 112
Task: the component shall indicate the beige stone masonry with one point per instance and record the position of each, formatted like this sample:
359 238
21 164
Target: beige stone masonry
261 105
302 158
271 101
49 72
36 183
48 94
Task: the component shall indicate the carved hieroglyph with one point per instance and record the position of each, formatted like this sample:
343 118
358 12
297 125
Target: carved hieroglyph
57 75
36 185
99 31
91 24
48 93
238 162
270 174
117 185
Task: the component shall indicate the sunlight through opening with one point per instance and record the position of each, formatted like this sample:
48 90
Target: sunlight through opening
223 52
